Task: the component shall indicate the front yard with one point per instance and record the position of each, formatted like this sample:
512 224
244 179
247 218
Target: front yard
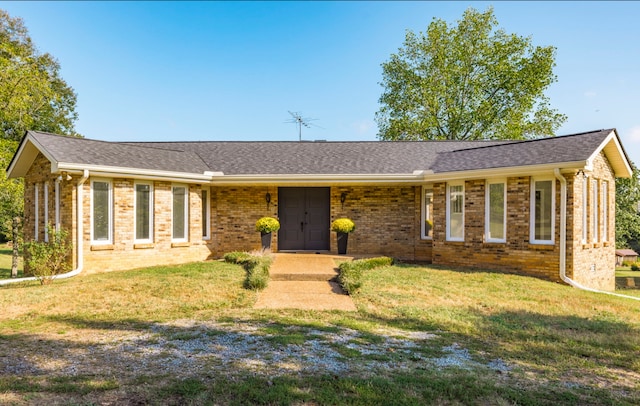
421 335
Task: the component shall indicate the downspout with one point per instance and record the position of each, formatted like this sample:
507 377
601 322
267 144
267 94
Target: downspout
563 242
79 230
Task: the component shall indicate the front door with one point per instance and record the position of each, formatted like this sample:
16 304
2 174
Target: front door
304 218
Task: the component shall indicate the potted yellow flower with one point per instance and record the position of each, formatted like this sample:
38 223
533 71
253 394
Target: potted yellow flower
267 225
343 226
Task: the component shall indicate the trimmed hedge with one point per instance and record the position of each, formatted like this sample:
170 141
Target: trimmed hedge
350 273
256 265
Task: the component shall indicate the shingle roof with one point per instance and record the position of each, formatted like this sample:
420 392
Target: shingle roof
114 154
626 253
318 158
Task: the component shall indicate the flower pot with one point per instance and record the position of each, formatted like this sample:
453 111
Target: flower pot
342 243
266 241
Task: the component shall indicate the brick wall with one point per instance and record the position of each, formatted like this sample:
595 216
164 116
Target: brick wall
388 221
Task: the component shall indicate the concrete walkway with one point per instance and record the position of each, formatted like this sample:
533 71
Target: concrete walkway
304 281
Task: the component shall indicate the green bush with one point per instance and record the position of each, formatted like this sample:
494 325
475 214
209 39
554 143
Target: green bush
350 273
343 225
255 264
267 225
634 267
47 259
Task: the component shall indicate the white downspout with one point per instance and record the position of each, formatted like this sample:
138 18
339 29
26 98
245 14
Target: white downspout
79 230
563 241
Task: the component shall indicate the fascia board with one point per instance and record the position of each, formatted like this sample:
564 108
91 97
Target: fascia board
25 148
134 173
511 171
613 137
317 179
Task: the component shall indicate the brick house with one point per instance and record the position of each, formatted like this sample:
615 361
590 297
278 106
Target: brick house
541 207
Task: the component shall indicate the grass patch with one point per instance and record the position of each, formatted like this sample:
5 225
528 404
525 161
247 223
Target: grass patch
561 345
6 253
256 264
351 272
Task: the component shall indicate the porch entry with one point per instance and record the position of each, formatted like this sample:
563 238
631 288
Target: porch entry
304 218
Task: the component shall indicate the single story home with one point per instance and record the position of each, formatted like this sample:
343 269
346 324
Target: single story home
542 207
626 255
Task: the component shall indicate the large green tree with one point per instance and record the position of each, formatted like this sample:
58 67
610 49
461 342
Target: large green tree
627 215
33 96
467 82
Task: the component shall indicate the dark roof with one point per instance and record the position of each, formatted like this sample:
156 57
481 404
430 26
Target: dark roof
568 148
114 154
290 158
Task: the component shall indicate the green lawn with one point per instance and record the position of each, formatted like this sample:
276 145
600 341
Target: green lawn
5 262
158 336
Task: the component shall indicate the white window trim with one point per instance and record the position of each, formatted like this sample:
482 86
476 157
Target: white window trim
449 185
207 219
423 229
487 214
135 213
532 205
605 211
585 209
36 203
186 213
110 211
45 193
57 204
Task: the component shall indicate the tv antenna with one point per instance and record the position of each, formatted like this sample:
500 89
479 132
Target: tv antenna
296 118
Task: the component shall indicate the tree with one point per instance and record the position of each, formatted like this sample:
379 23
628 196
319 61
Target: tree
627 215
467 82
33 96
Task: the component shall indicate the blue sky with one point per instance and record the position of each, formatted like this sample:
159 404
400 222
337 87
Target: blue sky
233 70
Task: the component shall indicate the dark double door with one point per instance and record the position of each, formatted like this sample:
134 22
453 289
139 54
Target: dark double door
304 218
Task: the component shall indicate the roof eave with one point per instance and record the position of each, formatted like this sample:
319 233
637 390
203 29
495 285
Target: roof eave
616 155
509 171
25 155
134 173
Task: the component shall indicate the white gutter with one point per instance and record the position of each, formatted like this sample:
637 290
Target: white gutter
563 242
78 269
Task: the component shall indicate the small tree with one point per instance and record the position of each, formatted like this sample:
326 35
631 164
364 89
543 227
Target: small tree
46 259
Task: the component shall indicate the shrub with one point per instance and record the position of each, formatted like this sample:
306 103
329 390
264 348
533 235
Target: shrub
635 267
45 260
343 225
350 273
267 225
256 264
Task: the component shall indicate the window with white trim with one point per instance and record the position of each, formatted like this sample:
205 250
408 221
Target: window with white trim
427 212
45 194
542 211
180 214
594 210
36 203
101 212
143 212
605 211
495 211
585 209
455 212
206 214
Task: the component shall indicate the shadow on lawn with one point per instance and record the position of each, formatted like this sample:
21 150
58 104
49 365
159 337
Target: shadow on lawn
148 367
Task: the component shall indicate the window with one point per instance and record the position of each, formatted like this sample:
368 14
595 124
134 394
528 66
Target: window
101 212
605 212
206 218
45 194
427 212
495 216
180 213
143 204
542 211
455 212
594 211
36 219
585 211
